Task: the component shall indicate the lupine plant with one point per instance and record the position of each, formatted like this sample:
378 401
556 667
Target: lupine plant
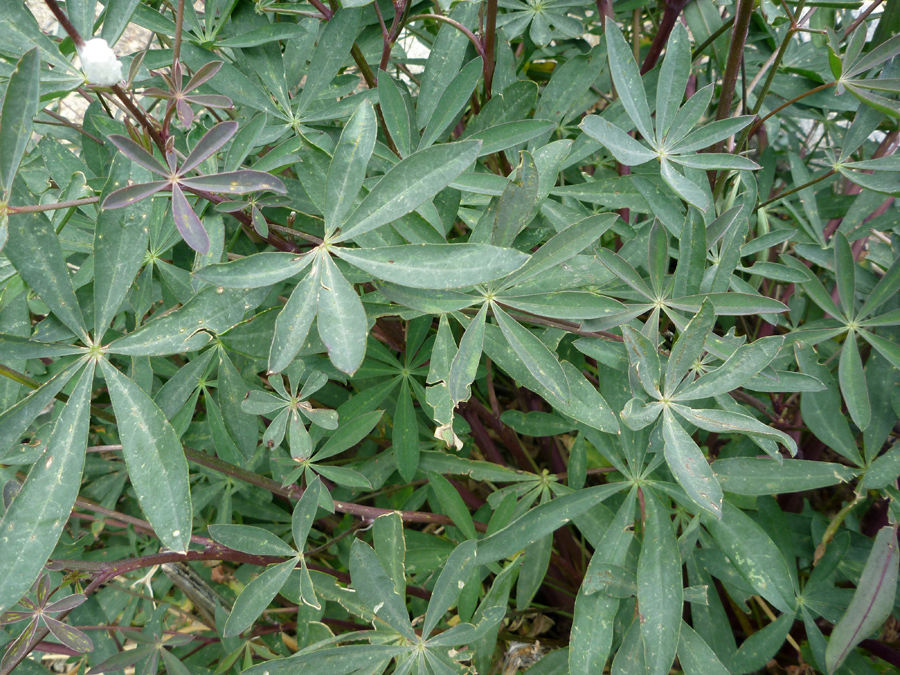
466 336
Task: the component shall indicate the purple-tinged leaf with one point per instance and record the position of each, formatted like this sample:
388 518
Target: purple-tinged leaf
27 603
156 92
235 182
232 207
185 114
122 660
210 100
214 139
66 603
42 589
873 601
14 617
259 222
136 153
132 194
171 157
188 223
204 74
72 638
18 648
178 73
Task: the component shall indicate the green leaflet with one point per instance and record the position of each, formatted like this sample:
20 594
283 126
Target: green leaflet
294 321
444 61
390 547
871 603
249 539
435 266
398 111
256 597
539 360
465 363
155 459
348 165
212 310
451 103
376 589
35 519
330 54
628 82
255 271
20 105
695 655
592 628
761 476
447 589
540 521
408 184
690 468
660 595
342 319
15 420
120 242
34 250
754 554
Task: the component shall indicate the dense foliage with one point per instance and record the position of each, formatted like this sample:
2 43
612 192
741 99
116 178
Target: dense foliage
452 337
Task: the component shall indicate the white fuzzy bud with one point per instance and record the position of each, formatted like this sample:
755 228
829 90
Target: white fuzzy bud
99 63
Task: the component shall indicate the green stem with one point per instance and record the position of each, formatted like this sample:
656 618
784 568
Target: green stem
796 189
800 97
179 26
480 48
833 526
53 207
712 38
490 40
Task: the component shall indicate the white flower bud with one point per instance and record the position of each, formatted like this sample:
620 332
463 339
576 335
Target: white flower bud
99 63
